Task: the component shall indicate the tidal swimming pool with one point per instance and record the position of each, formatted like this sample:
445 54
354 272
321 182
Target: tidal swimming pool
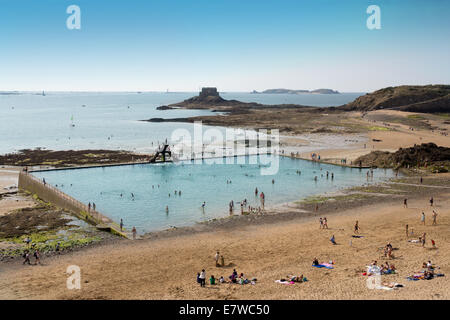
140 193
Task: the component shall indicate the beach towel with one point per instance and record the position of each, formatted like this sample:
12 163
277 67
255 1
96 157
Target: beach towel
285 282
324 265
357 236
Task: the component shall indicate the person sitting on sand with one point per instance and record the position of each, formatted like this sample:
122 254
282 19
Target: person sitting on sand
315 262
293 278
212 280
433 243
333 240
221 279
233 276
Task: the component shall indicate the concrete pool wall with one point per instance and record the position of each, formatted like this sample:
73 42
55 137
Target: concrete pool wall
52 195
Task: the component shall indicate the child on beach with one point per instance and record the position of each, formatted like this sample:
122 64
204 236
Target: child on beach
333 240
356 227
422 219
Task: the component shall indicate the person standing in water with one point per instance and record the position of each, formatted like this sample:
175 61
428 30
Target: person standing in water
263 198
134 233
121 224
256 192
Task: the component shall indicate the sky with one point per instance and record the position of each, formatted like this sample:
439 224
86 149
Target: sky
234 45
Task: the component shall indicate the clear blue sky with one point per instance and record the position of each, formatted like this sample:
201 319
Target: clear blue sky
236 45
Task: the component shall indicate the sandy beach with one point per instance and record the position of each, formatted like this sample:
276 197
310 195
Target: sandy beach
166 268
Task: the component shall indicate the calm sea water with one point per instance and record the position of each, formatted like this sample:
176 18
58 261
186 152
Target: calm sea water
111 120
197 182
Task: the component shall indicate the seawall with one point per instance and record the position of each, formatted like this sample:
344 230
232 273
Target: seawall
52 195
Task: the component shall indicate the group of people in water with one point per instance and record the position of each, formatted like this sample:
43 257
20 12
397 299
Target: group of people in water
250 209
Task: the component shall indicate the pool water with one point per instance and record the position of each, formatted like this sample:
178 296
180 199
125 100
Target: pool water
111 188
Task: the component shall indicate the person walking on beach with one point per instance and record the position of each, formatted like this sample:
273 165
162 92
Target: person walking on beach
216 257
407 233
423 239
43 180
321 223
431 201
121 224
325 223
37 256
422 219
405 203
202 278
356 227
89 206
26 256
434 217
134 233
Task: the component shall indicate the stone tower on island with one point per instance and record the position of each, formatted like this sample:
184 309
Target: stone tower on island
209 92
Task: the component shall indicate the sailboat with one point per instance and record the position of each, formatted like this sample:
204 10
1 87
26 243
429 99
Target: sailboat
71 122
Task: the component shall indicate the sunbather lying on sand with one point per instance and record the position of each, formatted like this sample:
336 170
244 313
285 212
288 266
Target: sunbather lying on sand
296 278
